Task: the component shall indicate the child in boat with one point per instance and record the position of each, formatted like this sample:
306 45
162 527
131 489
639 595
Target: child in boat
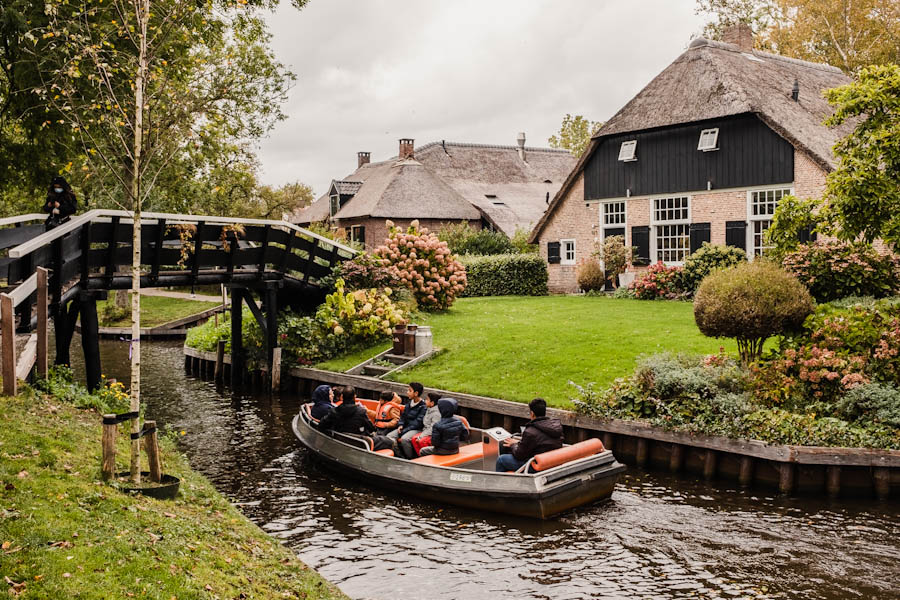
412 447
322 399
446 433
387 415
411 421
350 417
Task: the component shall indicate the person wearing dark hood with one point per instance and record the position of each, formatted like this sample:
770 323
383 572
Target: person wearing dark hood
322 399
446 433
541 434
350 417
61 203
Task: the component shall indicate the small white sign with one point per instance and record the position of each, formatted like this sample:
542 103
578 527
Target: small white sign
461 477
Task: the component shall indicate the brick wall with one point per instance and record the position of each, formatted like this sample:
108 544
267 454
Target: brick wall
809 178
377 230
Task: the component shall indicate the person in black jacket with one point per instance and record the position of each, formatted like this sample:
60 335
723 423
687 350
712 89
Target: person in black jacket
350 417
541 434
322 398
413 416
61 203
446 433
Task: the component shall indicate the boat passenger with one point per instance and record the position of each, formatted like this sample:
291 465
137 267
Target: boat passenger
350 417
387 414
323 401
446 433
411 421
411 448
540 434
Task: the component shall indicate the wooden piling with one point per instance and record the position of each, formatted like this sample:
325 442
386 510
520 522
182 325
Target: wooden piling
676 458
508 423
640 456
151 447
42 317
607 439
108 443
709 464
787 473
882 480
745 476
275 374
8 344
218 373
833 481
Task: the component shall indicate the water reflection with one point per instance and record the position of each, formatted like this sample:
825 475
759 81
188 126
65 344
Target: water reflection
659 536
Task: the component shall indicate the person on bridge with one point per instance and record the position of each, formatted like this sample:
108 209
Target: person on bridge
350 417
448 432
540 434
61 203
323 401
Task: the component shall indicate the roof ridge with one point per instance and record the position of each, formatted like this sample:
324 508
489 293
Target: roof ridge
430 145
701 42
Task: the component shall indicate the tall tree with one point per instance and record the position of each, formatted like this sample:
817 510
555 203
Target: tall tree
574 134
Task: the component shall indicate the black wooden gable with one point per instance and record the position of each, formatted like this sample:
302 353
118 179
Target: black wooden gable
667 160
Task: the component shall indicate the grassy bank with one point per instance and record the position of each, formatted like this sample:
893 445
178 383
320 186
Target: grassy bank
517 348
64 534
155 310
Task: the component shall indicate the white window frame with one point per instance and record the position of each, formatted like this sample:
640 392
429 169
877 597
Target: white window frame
714 135
623 213
564 252
628 151
655 223
754 220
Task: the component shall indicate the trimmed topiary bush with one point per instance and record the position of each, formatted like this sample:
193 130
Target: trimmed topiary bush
751 302
590 276
833 270
707 259
505 275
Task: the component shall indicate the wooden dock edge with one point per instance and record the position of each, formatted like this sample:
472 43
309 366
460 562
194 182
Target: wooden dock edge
750 463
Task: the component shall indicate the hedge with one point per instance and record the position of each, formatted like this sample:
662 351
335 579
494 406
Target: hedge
505 275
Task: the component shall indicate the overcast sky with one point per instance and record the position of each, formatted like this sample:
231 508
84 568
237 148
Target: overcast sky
372 71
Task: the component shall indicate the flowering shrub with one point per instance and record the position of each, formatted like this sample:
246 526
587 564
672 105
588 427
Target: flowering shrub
365 271
421 261
808 373
833 270
707 259
659 281
360 314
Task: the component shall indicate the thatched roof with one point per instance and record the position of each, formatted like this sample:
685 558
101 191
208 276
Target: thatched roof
713 80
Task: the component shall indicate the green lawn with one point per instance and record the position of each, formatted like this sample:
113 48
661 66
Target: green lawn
517 348
156 310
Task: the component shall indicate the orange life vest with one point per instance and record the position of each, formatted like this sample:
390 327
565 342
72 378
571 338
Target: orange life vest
383 413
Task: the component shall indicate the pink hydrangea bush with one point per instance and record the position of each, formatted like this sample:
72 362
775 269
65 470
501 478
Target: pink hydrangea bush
659 281
835 269
419 260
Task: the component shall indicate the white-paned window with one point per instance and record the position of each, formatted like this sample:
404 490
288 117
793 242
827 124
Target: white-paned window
709 139
613 213
627 151
761 205
671 229
335 204
567 252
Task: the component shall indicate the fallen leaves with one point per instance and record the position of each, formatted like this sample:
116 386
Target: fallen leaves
23 474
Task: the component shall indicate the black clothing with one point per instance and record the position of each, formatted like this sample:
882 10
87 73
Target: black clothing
446 433
540 435
321 402
347 418
66 200
413 417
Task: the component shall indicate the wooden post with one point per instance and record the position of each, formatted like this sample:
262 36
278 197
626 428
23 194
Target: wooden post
676 458
508 423
151 447
110 429
8 344
237 342
42 325
640 457
709 464
607 439
275 374
219 372
745 476
882 479
786 478
833 481
271 301
90 339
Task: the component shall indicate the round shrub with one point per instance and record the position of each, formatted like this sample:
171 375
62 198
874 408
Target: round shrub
750 303
707 259
833 270
464 239
590 275
878 402
505 275
423 263
659 281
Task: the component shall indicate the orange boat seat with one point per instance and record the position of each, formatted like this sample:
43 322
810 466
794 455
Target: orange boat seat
385 451
561 456
467 453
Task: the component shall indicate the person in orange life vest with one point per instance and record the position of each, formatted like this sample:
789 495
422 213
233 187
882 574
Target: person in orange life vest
432 416
387 414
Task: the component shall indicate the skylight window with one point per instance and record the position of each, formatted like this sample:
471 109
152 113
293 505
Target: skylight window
709 139
627 150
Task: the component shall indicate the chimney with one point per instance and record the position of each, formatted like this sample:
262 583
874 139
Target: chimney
362 158
795 91
406 148
520 140
740 35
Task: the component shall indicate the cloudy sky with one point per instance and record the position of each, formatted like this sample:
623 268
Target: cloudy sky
372 71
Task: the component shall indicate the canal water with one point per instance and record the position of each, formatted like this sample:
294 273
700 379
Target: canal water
658 537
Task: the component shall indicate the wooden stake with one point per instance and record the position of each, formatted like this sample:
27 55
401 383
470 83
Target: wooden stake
8 341
219 372
42 316
275 375
676 458
833 481
607 439
745 477
151 447
640 457
786 479
109 447
709 464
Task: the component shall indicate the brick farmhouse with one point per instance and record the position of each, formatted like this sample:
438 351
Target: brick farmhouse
504 188
702 154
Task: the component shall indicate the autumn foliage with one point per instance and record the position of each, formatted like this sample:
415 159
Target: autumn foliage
424 263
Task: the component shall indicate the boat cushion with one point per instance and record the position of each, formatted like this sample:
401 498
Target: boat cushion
466 453
385 451
560 456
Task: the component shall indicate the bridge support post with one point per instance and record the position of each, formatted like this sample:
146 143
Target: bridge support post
64 326
90 338
272 333
237 342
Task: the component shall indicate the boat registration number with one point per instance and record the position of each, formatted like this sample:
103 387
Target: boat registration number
461 477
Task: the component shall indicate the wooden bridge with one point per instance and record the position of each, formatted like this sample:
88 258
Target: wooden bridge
61 273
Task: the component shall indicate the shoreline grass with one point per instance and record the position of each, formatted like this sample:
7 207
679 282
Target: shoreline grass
64 534
156 310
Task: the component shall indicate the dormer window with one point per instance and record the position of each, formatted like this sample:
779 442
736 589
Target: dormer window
335 204
709 139
627 151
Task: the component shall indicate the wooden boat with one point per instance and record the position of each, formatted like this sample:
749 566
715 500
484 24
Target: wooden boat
572 476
